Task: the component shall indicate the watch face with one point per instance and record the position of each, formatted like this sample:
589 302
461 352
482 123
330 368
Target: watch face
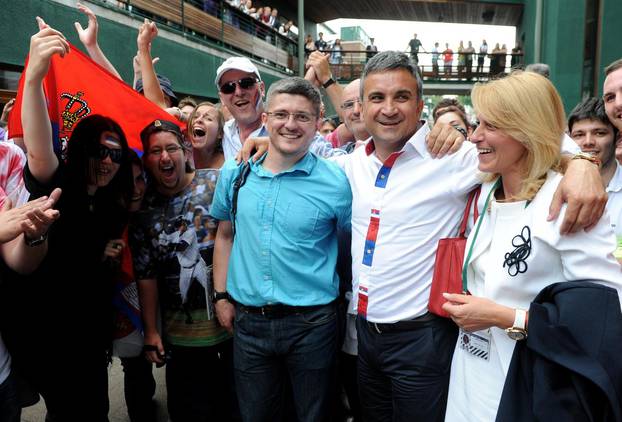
516 334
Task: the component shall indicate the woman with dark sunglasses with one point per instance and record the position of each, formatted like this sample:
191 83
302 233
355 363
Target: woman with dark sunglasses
69 299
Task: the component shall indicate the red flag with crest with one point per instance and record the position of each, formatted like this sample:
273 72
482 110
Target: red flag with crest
75 87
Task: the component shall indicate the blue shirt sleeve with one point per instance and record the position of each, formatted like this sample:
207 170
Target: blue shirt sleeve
221 204
344 216
343 202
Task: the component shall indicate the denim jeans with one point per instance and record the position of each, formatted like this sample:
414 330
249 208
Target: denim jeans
404 375
10 409
301 346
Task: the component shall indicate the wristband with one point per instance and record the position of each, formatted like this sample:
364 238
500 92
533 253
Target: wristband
520 319
328 83
220 296
36 241
461 130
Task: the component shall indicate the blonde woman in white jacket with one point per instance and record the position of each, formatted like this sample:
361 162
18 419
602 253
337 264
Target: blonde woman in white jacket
513 251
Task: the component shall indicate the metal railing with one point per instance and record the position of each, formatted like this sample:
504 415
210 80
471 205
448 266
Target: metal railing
347 65
218 21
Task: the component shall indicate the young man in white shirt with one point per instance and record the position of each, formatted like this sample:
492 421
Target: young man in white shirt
591 129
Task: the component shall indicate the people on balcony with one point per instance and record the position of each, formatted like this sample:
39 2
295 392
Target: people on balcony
320 43
483 51
469 53
336 54
309 45
448 58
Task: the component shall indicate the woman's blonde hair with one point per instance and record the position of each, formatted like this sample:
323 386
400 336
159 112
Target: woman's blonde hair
527 107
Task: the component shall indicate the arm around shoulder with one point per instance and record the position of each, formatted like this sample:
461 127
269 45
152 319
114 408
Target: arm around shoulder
582 189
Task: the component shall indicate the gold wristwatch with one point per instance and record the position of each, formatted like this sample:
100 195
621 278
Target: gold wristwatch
587 156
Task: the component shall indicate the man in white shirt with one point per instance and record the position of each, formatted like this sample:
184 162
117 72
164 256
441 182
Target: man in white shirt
403 203
591 129
241 90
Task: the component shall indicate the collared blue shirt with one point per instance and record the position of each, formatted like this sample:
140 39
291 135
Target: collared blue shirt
285 246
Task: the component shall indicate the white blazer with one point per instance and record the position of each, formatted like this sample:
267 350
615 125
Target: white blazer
552 257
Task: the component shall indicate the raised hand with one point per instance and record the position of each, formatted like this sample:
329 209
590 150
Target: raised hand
7 109
319 62
43 45
146 34
87 36
312 77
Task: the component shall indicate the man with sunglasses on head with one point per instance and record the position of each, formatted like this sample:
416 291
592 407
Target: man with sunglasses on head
275 280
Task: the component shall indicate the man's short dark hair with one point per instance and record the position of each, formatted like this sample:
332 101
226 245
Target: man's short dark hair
392 60
296 86
452 109
613 67
187 101
590 109
447 102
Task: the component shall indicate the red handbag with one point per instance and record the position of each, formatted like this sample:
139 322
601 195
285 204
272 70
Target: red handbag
449 259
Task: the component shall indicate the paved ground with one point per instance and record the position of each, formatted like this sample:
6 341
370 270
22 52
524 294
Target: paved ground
118 412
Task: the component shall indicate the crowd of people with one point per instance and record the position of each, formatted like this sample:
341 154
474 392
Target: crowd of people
280 265
265 15
466 57
261 21
333 48
463 63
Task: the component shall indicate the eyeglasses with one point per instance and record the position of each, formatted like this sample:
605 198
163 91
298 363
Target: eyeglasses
245 83
348 104
170 150
116 155
300 117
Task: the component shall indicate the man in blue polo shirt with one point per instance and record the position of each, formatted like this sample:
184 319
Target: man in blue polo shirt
274 261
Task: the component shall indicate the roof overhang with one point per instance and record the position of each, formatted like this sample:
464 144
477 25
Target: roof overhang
500 12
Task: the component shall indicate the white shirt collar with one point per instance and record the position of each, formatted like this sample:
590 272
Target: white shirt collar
615 184
416 142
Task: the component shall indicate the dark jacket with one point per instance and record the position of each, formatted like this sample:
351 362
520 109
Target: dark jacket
570 367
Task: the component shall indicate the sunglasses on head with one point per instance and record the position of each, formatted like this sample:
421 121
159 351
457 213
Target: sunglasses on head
245 83
103 151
